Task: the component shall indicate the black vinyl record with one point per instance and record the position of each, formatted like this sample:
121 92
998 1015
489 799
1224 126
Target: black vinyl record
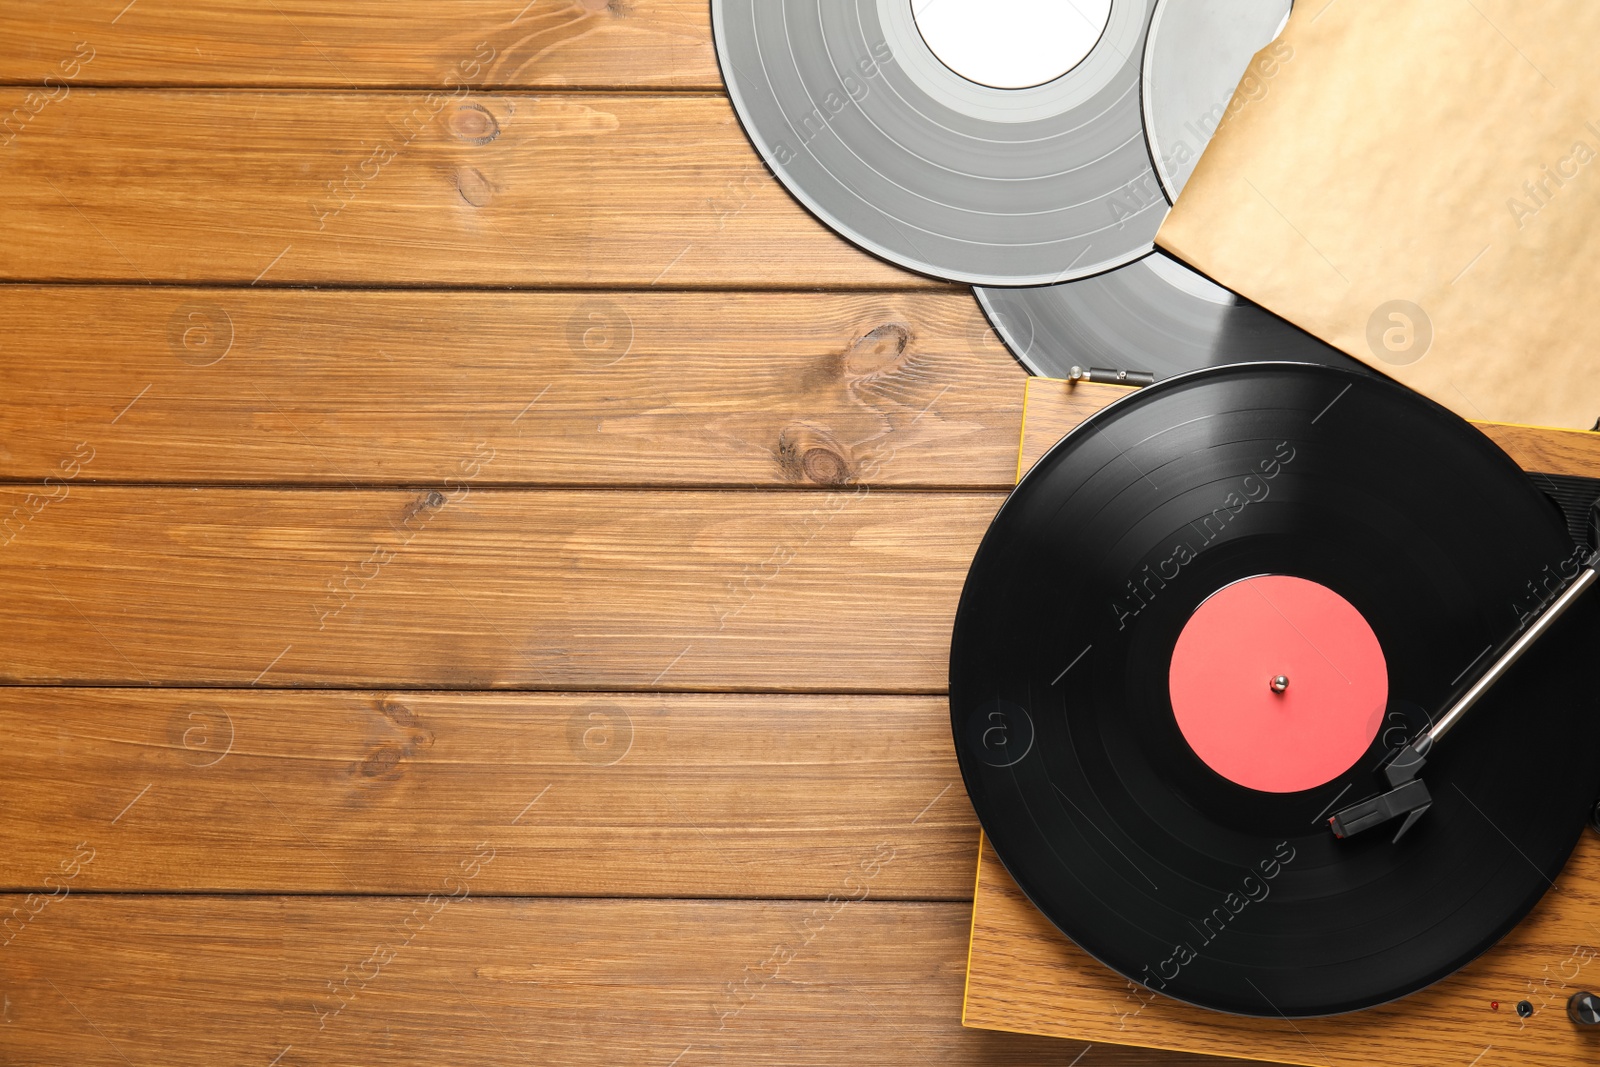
854 113
1229 897
1154 315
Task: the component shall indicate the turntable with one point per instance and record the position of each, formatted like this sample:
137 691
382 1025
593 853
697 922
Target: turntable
1199 864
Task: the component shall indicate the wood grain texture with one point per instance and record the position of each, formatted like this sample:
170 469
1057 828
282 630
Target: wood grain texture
462 188
583 794
1574 452
461 588
1053 406
362 43
98 980
570 388
1024 975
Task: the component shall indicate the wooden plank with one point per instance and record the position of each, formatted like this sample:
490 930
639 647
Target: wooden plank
454 587
467 188
184 980
345 44
568 388
584 794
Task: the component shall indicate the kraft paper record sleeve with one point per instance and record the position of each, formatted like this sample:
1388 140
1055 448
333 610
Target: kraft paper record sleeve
1418 184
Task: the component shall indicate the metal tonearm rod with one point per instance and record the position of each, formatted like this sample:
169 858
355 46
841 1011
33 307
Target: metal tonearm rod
1407 794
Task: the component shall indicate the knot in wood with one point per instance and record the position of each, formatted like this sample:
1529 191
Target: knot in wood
877 351
473 124
382 763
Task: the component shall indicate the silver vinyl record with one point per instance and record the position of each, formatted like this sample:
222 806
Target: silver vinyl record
1198 53
854 113
1157 315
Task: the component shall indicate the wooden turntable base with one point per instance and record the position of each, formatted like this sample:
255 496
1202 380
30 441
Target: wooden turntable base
1024 976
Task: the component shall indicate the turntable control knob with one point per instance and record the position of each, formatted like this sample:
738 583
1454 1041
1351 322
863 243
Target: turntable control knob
1279 683
1584 1009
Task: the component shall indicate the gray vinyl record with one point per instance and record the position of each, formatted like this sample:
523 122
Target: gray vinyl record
865 126
1157 315
1197 54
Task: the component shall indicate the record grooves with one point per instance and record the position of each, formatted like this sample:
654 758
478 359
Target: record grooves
1235 898
886 145
1153 315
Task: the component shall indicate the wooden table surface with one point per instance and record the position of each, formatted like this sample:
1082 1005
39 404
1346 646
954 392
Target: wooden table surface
478 558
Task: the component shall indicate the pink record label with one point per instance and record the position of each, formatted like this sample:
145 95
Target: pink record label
1278 683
